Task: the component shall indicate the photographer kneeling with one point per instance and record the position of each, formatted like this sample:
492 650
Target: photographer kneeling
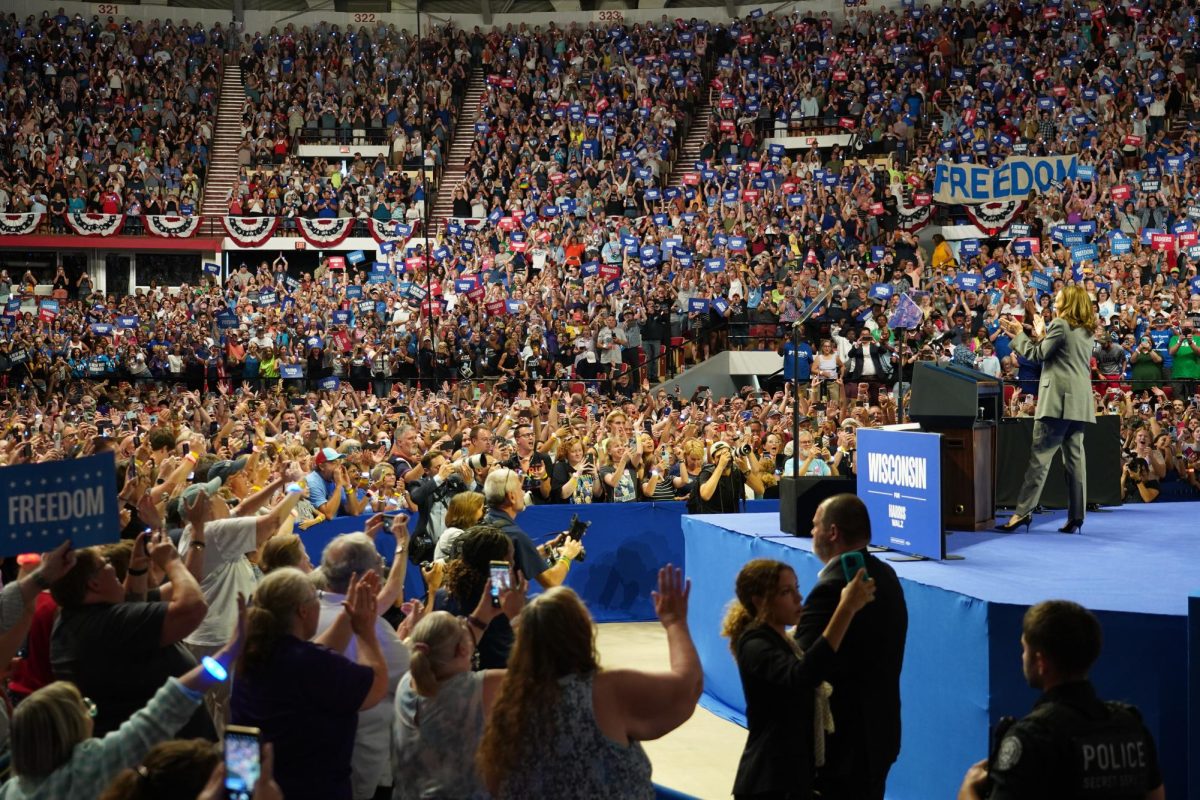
720 487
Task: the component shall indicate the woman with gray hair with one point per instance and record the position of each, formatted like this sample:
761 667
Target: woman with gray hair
54 754
441 703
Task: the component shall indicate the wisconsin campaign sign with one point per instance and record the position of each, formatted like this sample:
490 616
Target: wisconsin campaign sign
900 481
45 504
1014 179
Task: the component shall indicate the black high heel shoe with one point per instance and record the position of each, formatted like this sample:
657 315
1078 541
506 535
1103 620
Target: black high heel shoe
1072 526
1012 526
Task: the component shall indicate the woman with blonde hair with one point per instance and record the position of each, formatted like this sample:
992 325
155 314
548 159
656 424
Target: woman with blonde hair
284 550
573 478
441 702
781 683
464 511
1064 349
556 699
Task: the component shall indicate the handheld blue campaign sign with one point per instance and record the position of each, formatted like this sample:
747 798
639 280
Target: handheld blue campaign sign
907 313
387 247
315 342
267 298
589 268
1148 234
968 281
992 272
1120 244
354 292
1018 230
714 265
968 248
1085 173
1041 282
1175 164
720 304
226 321
52 501
795 200
697 305
464 285
612 287
881 291
211 269
402 230
737 243
13 304
878 253
127 323
1023 247
356 257
341 317
101 329
330 384
513 306
1194 283
900 482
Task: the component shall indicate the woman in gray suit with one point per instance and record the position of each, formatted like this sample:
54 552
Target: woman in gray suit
1064 349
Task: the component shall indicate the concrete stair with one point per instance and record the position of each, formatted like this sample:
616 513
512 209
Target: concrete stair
223 159
697 135
455 169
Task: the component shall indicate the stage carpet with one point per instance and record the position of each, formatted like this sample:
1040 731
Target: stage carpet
962 668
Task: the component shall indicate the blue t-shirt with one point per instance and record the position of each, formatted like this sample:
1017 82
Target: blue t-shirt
803 358
1161 339
319 489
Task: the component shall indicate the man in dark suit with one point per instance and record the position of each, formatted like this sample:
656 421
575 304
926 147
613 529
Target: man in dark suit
866 670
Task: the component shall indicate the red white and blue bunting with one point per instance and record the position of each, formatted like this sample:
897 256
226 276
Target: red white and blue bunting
991 218
20 224
250 231
172 226
86 224
325 231
910 219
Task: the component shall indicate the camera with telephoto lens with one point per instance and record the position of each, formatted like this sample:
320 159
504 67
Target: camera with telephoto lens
575 531
742 451
476 462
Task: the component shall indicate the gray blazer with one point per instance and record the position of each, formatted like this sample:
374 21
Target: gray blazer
1065 388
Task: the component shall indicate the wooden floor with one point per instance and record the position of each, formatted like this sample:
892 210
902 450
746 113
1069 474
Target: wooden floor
699 758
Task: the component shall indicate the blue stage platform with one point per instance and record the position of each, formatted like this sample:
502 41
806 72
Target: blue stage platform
962 668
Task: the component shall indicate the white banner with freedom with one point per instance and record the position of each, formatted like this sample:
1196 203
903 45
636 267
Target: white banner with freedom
1012 180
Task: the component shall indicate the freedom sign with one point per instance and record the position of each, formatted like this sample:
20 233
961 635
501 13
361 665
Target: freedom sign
900 482
45 504
1014 179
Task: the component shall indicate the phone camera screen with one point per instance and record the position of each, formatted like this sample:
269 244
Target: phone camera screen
242 765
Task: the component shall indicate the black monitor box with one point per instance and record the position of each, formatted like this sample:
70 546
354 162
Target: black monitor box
950 396
799 498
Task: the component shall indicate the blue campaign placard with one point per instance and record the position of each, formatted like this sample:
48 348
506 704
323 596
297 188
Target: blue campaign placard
291 371
900 481
45 504
330 384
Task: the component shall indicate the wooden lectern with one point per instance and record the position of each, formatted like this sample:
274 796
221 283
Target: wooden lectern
964 406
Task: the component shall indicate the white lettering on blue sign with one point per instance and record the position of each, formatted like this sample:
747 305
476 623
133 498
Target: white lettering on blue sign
908 472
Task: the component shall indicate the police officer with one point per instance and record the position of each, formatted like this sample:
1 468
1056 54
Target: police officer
1073 744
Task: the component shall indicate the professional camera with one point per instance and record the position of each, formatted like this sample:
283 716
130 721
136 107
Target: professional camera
476 462
743 451
575 531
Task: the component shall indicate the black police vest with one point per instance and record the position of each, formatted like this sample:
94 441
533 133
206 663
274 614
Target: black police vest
1111 757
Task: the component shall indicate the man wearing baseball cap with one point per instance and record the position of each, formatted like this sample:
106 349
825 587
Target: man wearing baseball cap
327 483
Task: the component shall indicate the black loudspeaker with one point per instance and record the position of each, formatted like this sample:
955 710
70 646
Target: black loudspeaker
1101 447
949 396
799 498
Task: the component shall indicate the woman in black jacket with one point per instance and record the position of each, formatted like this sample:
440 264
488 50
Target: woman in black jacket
781 683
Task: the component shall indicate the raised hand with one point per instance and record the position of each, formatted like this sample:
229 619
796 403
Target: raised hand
671 599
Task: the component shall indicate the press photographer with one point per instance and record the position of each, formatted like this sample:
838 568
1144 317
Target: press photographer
720 487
